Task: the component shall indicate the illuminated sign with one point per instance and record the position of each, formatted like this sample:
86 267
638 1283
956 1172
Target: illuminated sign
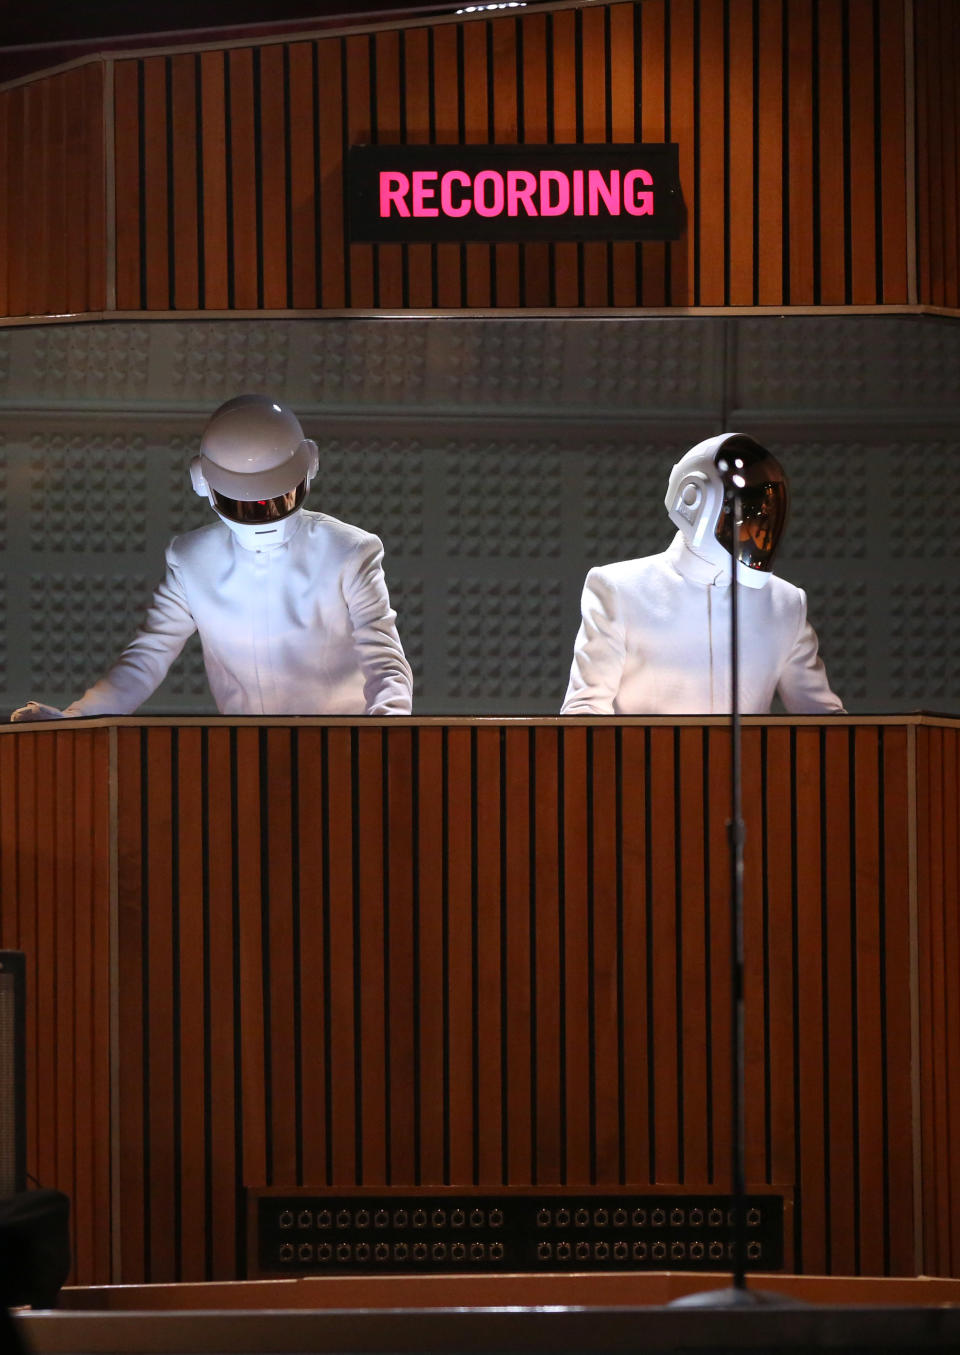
514 193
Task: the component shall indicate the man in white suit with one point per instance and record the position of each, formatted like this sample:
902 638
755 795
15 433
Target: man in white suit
291 606
655 632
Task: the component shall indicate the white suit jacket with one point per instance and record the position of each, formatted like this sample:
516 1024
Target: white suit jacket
655 640
304 628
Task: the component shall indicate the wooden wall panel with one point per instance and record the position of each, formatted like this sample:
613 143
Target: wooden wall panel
938 152
54 245
55 906
791 120
499 954
484 954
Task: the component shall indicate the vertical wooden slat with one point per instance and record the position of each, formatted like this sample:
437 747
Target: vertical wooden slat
652 257
449 291
550 1108
694 1015
96 202
488 976
503 82
534 99
951 909
389 259
154 222
841 1061
43 842
128 171
799 224
63 106
769 206
892 115
711 208
811 1035
183 182
358 130
7 151
756 1048
304 224
662 960
17 204
781 963
830 152
224 1090
928 950
280 847
575 977
624 23
191 961
741 117
605 1012
249 849
682 253
400 916
37 192
518 905
416 44
344 1033
101 982
429 941
634 793
79 864
859 77
61 802
950 178
593 98
721 956
131 998
369 959
898 1017
476 130
216 243
460 848
162 1052
936 1162
561 39
243 239
868 1015
274 149
312 961
335 261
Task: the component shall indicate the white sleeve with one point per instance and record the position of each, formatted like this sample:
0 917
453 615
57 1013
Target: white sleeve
387 678
803 685
599 651
144 663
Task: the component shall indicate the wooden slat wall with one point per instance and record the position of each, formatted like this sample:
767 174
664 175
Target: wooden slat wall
498 955
53 244
938 988
55 906
790 117
938 152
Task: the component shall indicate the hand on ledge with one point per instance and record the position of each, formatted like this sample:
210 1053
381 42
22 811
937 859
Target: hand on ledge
36 710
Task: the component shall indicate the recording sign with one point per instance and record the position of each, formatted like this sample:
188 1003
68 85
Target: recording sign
421 194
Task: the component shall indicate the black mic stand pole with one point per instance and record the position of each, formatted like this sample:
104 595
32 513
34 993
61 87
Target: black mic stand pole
739 1296
735 837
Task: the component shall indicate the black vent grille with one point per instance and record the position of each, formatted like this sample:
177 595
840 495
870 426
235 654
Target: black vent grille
311 1234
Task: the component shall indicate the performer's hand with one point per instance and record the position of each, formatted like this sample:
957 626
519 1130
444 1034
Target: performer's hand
36 710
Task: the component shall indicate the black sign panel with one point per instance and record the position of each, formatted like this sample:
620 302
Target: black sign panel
514 193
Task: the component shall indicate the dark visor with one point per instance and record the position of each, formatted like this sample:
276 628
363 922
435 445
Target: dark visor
761 487
261 510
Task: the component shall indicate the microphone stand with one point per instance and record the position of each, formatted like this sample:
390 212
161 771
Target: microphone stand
737 1296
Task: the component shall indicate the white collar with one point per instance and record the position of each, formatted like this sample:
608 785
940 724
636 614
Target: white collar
693 567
